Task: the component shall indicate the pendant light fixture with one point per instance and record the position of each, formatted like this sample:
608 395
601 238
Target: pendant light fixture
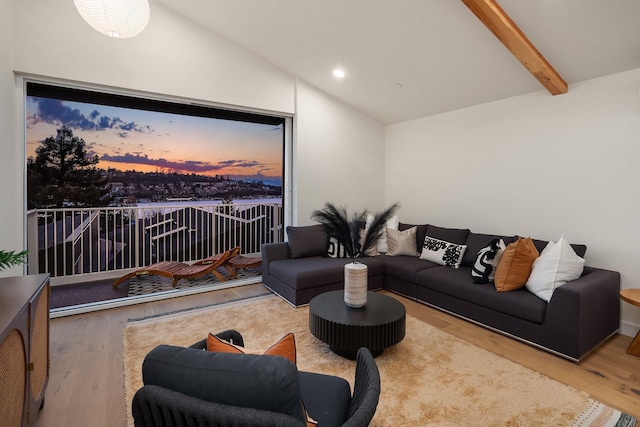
115 18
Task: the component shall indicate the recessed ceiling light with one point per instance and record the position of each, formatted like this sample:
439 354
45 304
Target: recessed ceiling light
339 73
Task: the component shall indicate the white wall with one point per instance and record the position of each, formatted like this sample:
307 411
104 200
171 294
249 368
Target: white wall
339 151
532 165
171 56
12 157
338 154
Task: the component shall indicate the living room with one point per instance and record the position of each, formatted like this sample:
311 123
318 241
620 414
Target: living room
533 163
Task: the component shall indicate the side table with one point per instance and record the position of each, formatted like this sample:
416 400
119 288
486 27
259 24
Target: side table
632 296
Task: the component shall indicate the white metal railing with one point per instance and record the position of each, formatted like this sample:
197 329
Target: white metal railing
68 243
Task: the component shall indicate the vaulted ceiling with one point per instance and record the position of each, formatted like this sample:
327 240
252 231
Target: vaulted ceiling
407 59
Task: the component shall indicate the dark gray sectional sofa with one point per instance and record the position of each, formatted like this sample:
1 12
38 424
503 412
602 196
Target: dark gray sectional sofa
580 316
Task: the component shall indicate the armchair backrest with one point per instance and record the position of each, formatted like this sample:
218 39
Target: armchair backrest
233 382
155 406
366 390
189 386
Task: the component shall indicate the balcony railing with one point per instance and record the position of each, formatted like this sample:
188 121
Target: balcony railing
71 244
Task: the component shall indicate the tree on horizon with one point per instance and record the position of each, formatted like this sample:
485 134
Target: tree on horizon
63 174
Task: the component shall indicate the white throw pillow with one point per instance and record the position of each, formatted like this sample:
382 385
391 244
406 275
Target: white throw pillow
373 250
393 224
336 249
442 252
556 265
402 242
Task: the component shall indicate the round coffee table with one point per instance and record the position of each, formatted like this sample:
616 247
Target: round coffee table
378 325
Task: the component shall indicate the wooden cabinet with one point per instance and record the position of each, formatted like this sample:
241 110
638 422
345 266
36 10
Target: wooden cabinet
24 348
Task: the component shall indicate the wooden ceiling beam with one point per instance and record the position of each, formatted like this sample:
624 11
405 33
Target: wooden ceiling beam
503 27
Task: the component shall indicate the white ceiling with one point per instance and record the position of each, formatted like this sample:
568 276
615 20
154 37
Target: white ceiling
407 59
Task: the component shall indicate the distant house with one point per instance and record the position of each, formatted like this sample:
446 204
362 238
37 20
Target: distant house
117 188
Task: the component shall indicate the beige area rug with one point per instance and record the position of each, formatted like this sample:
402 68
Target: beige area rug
429 379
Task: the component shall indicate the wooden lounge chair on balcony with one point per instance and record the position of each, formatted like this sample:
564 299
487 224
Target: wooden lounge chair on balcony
177 270
215 258
237 262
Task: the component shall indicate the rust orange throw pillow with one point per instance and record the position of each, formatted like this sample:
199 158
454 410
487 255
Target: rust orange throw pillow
286 347
515 265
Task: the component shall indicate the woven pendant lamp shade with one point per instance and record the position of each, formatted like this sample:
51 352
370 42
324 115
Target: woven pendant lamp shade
115 18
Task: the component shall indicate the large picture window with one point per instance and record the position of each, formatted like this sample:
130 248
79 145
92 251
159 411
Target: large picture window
118 182
127 134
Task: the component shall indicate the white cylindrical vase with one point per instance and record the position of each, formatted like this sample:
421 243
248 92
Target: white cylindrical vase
355 284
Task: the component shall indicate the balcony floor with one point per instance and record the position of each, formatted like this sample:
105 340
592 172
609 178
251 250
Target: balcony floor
103 290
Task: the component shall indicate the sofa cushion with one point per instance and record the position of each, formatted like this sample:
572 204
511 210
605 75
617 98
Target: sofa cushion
477 241
484 269
311 272
557 265
246 380
373 249
382 241
307 241
515 265
580 250
285 347
336 249
404 267
421 231
453 235
442 252
326 398
402 242
458 283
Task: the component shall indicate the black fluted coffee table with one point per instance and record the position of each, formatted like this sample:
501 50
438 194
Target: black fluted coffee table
378 325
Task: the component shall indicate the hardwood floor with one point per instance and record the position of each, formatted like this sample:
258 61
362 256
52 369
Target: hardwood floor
86 384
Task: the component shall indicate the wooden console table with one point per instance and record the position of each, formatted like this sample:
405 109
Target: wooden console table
632 296
24 348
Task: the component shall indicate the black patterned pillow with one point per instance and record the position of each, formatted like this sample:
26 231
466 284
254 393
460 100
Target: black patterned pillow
442 252
487 260
336 249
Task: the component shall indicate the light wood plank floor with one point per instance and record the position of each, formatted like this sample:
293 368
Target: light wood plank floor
86 385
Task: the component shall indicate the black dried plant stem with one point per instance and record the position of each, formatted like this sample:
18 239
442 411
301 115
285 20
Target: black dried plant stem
337 224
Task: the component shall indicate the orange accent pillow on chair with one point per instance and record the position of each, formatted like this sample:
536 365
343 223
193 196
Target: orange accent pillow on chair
286 347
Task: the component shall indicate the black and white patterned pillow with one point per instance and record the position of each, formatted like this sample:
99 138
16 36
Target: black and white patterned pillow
484 267
336 249
442 252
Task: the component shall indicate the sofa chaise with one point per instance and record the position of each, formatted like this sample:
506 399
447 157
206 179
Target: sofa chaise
581 314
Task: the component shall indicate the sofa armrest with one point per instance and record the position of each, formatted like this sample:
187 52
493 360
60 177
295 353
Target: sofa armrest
588 306
274 252
598 288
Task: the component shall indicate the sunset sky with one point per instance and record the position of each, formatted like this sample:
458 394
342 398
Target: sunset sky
146 141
